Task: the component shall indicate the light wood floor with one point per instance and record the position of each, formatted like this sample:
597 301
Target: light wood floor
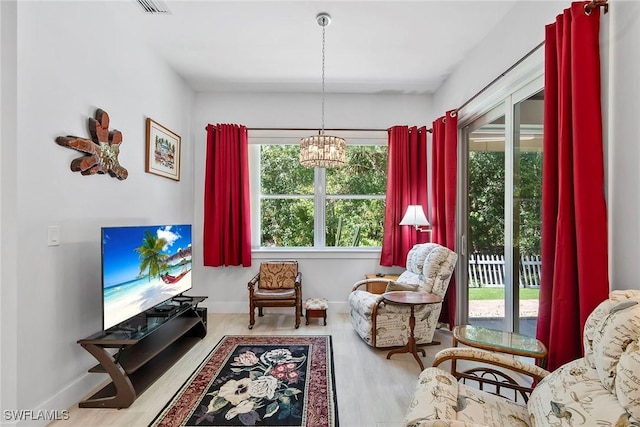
372 391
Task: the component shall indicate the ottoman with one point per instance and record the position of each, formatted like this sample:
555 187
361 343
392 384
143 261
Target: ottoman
315 307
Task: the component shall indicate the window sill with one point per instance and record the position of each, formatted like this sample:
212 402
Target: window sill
324 253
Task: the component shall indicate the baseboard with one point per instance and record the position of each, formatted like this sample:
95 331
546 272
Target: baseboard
57 406
243 307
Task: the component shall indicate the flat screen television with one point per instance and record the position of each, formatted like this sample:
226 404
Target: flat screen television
142 267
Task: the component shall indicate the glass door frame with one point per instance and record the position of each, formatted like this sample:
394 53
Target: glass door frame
502 105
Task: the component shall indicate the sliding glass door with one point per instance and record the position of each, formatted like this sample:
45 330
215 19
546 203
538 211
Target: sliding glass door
502 182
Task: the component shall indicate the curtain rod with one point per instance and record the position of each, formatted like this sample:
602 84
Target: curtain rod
331 130
588 8
335 129
504 73
481 91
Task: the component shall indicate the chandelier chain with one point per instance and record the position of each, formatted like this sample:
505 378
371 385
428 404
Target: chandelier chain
323 44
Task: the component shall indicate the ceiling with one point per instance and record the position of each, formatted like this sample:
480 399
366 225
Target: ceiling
396 47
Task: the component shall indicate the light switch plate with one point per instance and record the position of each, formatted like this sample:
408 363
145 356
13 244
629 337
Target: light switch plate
53 235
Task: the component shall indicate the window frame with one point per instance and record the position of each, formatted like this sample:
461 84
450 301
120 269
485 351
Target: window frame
258 137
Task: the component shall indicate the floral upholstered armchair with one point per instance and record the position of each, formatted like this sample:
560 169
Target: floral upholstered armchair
429 269
600 389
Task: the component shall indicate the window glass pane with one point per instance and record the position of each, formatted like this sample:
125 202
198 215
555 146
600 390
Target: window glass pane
364 173
354 222
286 222
486 205
281 171
528 207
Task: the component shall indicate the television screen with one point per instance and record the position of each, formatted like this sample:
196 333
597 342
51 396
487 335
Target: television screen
143 266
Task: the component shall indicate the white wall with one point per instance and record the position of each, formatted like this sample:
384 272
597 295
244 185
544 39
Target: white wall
623 151
520 31
8 200
74 57
329 275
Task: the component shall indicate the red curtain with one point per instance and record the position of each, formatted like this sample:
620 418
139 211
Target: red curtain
444 180
574 223
406 185
227 224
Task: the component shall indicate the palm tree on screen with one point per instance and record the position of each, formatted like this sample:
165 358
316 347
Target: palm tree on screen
152 258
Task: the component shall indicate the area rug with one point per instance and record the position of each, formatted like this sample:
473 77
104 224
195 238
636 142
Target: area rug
261 381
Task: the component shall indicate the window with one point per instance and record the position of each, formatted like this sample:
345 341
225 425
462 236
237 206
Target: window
320 208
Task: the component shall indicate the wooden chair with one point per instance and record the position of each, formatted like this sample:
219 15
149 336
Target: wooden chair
277 284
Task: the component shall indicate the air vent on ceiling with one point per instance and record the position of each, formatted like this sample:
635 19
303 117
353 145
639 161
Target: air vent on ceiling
153 6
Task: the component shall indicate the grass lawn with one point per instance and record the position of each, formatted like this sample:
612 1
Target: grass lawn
498 293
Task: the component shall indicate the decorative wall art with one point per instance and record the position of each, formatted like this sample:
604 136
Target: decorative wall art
101 151
163 151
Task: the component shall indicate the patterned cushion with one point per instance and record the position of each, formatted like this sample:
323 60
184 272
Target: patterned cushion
392 322
417 256
628 379
316 304
590 327
438 396
598 314
573 395
278 274
616 330
603 386
430 265
398 286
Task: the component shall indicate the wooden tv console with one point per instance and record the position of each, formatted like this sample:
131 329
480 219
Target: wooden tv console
148 345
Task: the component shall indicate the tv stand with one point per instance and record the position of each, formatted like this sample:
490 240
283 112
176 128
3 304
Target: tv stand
148 345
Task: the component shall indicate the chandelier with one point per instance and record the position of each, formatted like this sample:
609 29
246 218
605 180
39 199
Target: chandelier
323 151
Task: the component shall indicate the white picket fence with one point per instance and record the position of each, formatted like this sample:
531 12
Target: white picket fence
488 270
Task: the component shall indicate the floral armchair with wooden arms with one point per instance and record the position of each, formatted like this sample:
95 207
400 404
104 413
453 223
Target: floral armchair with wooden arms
429 269
600 389
277 284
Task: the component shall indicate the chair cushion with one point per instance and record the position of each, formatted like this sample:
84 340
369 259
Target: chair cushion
593 322
416 256
274 294
278 274
628 380
431 266
398 286
574 395
617 329
392 322
438 396
316 304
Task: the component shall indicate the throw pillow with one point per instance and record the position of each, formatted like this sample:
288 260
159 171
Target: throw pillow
398 286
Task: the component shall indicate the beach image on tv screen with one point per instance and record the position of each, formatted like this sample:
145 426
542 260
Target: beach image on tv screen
143 266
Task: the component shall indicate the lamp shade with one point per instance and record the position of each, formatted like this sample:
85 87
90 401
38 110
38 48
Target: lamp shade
414 216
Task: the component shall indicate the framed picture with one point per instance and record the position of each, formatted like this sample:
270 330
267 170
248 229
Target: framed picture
163 151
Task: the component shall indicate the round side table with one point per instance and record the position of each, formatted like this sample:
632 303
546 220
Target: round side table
411 299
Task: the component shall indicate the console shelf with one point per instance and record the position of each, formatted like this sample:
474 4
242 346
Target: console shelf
146 350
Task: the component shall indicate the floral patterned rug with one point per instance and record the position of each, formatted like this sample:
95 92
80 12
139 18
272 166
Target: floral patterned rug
259 381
